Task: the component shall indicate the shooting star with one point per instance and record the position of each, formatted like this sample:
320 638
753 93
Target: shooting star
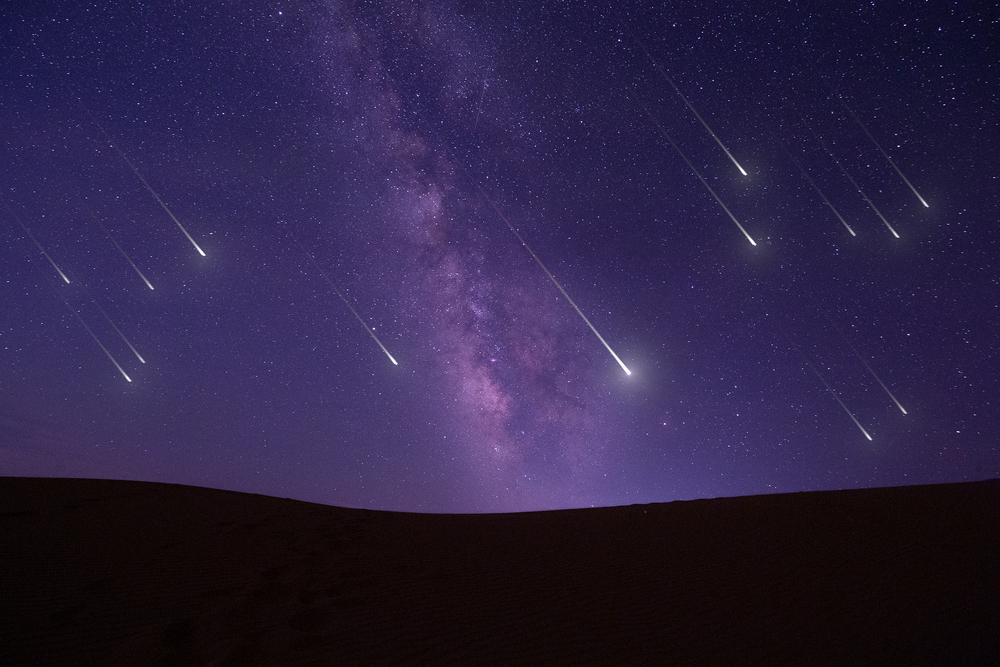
840 402
555 282
850 178
881 150
146 184
697 115
123 253
700 177
879 380
867 366
38 245
822 195
96 339
120 334
336 290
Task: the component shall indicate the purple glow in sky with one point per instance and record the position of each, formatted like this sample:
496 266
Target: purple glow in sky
381 135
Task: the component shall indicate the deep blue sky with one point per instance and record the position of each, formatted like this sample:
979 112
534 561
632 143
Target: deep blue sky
365 130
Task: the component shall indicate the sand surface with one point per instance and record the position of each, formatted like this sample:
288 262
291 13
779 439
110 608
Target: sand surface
129 572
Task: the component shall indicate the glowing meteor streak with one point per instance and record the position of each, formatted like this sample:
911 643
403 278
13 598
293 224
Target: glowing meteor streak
879 380
822 195
840 402
350 307
38 245
697 115
850 178
881 150
159 201
148 187
96 339
120 334
555 282
865 363
871 204
867 366
124 254
700 178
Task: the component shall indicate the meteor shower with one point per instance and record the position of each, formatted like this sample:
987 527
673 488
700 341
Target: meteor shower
496 222
436 256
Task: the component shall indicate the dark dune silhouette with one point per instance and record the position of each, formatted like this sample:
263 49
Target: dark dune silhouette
129 572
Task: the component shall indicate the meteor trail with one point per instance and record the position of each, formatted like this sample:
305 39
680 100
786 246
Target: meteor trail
96 339
38 245
865 363
697 115
878 379
554 281
892 162
700 178
857 187
123 253
148 187
821 194
336 290
120 334
840 402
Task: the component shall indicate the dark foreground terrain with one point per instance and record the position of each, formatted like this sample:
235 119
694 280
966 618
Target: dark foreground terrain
128 572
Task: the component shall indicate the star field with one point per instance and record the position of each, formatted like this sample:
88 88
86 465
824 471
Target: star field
347 169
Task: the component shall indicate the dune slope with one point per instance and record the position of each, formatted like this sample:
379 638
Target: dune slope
110 571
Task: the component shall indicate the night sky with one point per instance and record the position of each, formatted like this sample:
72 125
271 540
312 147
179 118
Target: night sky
365 142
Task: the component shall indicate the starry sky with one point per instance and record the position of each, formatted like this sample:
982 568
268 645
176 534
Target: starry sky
333 155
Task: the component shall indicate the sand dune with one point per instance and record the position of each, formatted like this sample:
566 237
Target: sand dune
128 572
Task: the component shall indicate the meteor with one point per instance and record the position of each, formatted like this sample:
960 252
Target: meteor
148 187
123 253
879 380
120 334
840 402
38 245
867 366
350 307
700 177
821 194
555 282
850 178
881 150
96 339
697 115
